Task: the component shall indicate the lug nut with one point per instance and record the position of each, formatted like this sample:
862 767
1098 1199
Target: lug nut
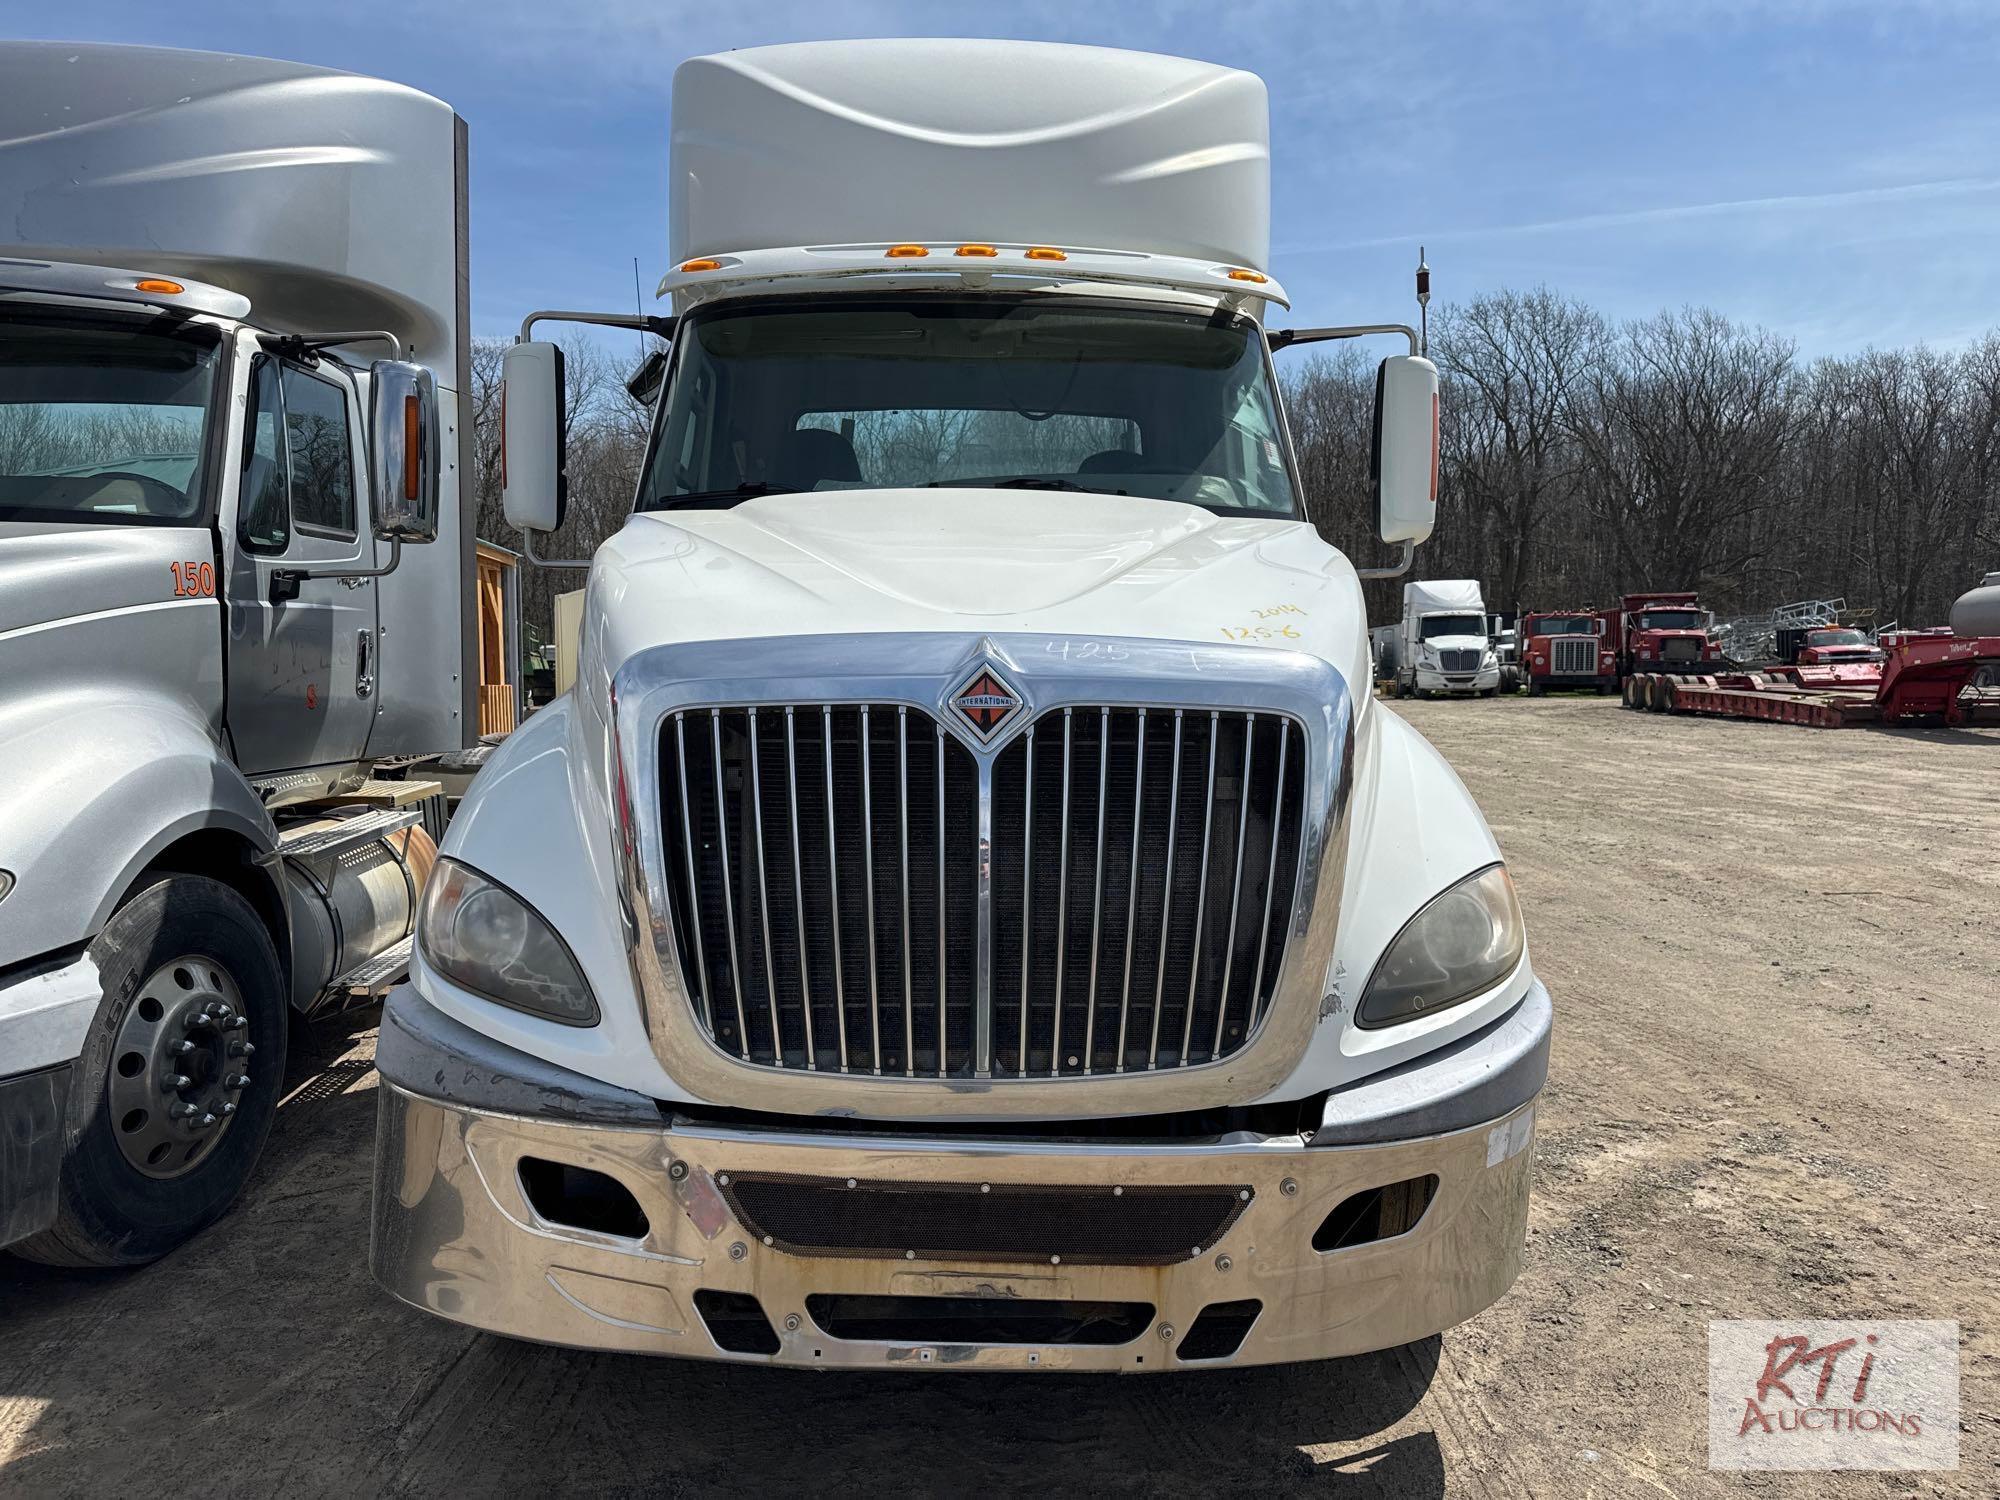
204 1122
226 1108
184 1111
200 1018
176 1081
222 1009
242 1049
237 1024
237 1081
181 1048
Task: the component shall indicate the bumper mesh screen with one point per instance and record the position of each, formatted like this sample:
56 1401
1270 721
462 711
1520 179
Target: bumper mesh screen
1030 1223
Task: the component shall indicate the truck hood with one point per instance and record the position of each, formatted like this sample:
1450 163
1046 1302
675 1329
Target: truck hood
975 560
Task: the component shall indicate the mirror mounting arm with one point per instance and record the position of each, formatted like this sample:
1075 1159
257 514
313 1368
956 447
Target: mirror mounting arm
1284 338
528 552
644 322
1401 567
285 581
300 347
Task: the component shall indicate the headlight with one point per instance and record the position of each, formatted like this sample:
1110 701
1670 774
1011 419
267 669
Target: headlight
477 933
1460 945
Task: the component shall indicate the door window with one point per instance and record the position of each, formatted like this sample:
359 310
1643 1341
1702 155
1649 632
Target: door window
304 477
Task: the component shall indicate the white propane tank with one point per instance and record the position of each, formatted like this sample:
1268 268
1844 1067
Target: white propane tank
347 906
1977 612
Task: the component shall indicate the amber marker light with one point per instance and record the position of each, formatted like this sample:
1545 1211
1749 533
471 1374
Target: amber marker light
906 252
1045 252
980 252
159 284
703 263
1239 274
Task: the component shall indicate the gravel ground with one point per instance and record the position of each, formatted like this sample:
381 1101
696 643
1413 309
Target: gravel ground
1775 955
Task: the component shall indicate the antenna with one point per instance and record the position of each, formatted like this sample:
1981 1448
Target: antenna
1423 298
639 306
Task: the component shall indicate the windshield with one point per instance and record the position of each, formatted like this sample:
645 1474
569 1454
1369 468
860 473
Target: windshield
998 392
103 421
1433 626
1673 619
1836 638
1566 627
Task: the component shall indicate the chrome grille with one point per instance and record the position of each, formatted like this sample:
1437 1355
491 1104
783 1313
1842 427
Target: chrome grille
1144 865
822 870
818 863
1459 659
1573 655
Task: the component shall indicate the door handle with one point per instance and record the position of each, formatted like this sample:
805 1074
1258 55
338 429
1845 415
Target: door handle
364 663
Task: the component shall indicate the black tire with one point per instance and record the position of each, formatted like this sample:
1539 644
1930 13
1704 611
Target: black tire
109 1213
1534 688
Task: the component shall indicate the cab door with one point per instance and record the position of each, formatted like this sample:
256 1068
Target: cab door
302 651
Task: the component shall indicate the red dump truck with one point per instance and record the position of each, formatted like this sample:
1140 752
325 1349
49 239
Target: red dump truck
1567 648
1661 632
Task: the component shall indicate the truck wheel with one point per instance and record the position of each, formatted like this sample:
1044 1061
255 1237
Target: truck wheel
1534 687
166 1113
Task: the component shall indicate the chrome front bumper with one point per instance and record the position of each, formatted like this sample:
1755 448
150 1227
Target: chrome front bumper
454 1234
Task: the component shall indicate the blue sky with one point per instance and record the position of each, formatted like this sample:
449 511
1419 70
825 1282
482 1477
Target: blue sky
1828 169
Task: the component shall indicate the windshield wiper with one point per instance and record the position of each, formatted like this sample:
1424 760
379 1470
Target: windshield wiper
1020 482
750 489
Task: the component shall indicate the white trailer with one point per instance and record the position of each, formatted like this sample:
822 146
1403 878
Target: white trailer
979 917
234 573
1442 644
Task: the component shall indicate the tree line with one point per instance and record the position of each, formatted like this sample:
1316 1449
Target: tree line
1582 459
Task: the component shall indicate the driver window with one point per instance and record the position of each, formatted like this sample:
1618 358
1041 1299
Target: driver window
263 517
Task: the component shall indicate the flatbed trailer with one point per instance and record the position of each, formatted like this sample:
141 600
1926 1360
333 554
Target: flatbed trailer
1924 676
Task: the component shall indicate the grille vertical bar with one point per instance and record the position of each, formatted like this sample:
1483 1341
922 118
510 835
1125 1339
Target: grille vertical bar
811 872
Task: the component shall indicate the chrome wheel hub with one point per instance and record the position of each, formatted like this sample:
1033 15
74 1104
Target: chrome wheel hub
179 1066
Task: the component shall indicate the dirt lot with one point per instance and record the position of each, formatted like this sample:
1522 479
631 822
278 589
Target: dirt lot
1776 960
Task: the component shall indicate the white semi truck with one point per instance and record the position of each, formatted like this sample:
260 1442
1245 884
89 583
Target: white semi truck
234 572
977 916
1441 644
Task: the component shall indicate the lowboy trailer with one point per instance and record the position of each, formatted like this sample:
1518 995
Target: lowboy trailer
1922 676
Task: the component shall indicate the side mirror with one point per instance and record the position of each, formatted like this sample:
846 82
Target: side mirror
534 482
404 434
1405 468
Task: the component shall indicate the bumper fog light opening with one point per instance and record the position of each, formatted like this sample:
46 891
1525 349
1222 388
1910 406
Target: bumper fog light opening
1377 1213
579 1198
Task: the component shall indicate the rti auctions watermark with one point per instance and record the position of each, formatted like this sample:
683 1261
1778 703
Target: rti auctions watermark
1827 1393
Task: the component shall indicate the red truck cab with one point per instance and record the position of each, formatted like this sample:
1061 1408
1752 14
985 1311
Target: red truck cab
1566 648
1835 644
1662 632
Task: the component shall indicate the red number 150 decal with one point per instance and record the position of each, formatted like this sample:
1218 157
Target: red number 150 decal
193 580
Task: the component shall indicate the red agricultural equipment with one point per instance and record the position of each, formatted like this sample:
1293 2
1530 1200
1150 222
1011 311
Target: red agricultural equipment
1924 674
1566 648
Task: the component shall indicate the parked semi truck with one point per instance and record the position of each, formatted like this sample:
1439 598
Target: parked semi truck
978 916
1566 649
1441 643
233 574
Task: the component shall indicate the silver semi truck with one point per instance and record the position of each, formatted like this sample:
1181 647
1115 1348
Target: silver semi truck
233 564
